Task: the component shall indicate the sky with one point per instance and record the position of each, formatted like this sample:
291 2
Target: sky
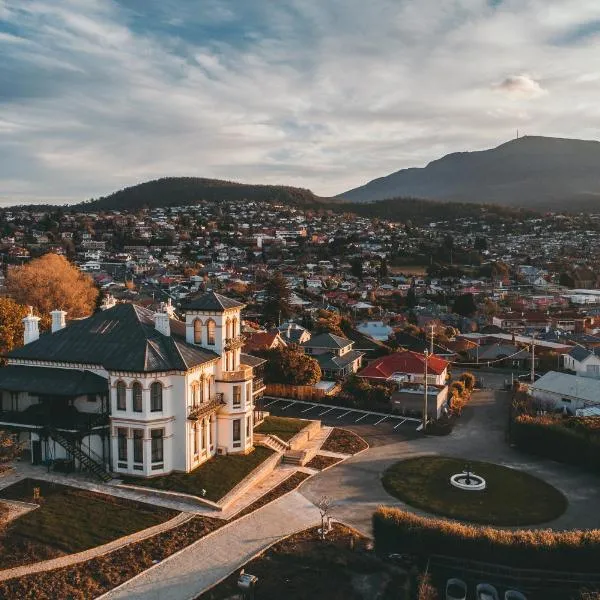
96 95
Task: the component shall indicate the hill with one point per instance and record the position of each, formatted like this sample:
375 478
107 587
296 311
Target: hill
530 172
181 191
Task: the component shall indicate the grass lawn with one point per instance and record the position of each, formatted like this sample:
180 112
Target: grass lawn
217 476
510 498
302 566
69 520
284 428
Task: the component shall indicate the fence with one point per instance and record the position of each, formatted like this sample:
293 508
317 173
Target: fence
299 392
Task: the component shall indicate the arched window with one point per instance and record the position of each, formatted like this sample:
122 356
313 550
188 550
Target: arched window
210 332
195 393
203 435
156 396
136 390
234 328
211 386
121 396
197 331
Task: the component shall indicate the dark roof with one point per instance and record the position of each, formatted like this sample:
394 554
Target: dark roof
122 338
211 301
332 363
327 340
579 353
251 361
50 381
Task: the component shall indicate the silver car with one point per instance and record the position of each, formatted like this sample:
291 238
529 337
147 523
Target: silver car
456 589
485 591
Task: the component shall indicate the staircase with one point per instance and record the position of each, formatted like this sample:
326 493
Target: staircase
272 441
93 465
295 457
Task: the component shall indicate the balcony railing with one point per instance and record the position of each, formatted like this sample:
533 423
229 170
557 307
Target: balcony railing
234 342
243 373
205 408
258 384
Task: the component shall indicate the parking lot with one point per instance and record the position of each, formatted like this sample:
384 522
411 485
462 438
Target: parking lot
377 428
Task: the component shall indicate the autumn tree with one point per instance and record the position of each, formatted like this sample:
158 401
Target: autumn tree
328 321
277 304
291 366
464 305
52 282
11 324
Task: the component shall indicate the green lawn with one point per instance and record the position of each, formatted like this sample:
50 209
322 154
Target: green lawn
282 427
70 520
510 498
217 476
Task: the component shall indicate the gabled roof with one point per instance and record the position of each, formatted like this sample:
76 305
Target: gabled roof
579 353
263 339
327 340
334 363
583 388
211 301
403 362
122 338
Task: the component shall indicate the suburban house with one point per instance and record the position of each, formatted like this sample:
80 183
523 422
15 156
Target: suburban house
569 393
583 362
292 333
264 340
406 367
131 391
334 354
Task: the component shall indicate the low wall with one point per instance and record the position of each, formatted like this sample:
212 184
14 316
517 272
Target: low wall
298 392
299 441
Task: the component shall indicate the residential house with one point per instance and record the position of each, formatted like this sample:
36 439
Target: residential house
583 361
406 367
334 354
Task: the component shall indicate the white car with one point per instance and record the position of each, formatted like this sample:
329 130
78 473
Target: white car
485 591
456 589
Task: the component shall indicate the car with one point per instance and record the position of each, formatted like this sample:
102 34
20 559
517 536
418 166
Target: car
486 591
514 595
456 589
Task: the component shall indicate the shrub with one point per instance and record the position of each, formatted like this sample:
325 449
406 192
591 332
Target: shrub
399 531
468 380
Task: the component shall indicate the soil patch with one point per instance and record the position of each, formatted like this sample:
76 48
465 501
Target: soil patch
344 442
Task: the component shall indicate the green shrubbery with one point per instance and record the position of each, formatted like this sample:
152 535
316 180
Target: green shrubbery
399 531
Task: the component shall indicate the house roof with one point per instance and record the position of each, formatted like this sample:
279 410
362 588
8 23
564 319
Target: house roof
47 380
579 353
327 340
403 362
251 361
333 362
563 384
262 339
121 338
211 301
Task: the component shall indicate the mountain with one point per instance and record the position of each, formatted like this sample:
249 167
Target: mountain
530 172
180 191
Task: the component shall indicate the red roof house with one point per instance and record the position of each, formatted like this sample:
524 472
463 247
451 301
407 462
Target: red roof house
408 366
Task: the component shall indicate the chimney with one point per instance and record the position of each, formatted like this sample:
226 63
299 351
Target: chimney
32 328
58 320
161 321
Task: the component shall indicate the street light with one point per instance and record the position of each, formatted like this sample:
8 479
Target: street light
425 395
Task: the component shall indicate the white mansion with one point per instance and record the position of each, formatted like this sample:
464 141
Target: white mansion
131 391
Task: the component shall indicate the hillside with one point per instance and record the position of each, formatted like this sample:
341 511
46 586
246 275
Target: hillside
180 191
529 172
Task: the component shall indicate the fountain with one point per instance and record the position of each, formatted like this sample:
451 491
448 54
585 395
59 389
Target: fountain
467 480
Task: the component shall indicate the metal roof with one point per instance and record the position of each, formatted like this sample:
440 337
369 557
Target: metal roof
51 381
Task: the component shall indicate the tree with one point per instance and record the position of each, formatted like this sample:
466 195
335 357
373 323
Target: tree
291 366
356 267
277 305
411 298
52 282
328 321
383 269
464 305
468 380
11 324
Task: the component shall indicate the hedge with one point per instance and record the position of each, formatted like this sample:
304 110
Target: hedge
573 441
403 532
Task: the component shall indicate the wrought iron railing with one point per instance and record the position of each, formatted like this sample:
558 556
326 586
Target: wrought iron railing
201 410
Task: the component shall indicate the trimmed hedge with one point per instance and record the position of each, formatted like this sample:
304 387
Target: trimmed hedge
400 531
574 440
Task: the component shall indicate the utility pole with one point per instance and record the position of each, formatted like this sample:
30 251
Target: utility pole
533 358
431 350
425 395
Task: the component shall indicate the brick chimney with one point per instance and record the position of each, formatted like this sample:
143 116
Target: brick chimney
58 320
161 321
32 328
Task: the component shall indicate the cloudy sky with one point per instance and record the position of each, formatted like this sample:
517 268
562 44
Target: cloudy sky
96 95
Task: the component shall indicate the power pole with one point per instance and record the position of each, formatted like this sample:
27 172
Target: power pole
533 358
431 350
425 395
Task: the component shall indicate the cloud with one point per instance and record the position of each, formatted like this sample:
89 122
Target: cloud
101 94
522 86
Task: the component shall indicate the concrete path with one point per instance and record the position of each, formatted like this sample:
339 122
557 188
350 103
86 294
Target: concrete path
188 573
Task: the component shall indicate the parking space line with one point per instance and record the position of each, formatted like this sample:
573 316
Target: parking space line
382 419
290 404
344 414
361 418
326 411
310 408
401 422
274 402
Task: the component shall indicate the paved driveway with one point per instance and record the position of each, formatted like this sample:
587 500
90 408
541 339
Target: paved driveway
355 485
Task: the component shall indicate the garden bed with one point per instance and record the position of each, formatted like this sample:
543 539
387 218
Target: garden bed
344 442
69 520
511 497
215 478
321 462
284 428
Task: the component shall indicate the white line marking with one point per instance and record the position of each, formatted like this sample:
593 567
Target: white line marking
326 411
274 402
310 408
344 414
401 422
361 418
290 404
382 419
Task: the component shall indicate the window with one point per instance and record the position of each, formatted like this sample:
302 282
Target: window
195 394
237 396
121 396
156 399
122 443
234 328
197 331
210 332
138 445
201 391
210 422
136 389
195 434
248 392
156 444
228 329
203 436
248 426
567 400
237 433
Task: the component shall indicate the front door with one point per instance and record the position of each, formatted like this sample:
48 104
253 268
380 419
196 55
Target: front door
36 452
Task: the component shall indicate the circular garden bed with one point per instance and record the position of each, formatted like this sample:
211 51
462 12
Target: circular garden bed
511 497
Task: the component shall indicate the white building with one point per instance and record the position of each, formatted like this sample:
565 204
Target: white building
133 392
566 392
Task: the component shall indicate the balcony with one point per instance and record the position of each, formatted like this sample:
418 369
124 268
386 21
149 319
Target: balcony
258 385
206 408
243 373
234 342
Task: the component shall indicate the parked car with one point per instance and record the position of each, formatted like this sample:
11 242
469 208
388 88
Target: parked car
456 589
514 595
485 591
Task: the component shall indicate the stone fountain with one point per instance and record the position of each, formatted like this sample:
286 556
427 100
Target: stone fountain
467 480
